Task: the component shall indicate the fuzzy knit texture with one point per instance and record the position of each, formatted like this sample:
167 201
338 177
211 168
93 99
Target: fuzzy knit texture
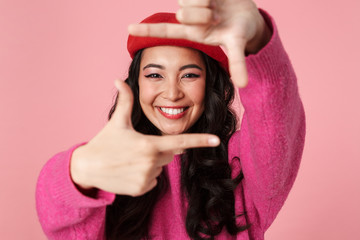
267 148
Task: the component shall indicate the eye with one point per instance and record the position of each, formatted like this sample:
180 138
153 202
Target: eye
191 75
153 75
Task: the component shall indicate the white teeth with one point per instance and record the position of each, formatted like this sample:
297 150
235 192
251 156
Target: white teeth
172 111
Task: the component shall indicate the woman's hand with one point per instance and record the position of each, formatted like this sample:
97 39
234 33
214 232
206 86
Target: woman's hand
237 25
122 161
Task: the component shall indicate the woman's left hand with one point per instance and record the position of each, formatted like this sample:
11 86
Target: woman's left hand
237 25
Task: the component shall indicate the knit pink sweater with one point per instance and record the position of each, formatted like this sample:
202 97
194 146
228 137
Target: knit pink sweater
269 146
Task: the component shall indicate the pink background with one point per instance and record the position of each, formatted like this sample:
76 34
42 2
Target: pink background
58 61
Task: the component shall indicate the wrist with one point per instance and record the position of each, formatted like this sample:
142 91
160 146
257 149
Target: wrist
261 38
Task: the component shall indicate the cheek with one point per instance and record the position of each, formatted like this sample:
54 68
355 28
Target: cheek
147 93
197 93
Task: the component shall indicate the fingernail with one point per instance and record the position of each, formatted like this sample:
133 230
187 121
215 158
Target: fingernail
214 141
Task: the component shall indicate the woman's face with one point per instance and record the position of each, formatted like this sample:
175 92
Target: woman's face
172 87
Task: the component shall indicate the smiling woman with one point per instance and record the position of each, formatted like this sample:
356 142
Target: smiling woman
216 92
169 164
172 87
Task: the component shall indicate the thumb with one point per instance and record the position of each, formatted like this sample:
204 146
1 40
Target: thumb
124 104
237 63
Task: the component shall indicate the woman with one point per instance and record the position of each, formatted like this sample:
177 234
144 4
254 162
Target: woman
198 178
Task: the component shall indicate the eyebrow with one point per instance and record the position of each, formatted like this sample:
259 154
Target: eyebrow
154 66
180 69
190 66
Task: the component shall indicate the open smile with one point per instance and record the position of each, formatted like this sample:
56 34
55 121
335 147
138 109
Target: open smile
173 112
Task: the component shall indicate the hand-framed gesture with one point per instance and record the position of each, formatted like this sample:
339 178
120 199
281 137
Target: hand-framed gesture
122 161
237 25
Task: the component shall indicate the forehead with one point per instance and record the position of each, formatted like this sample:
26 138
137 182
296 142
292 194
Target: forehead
171 55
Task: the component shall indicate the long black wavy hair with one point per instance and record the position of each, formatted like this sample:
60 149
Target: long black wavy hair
205 172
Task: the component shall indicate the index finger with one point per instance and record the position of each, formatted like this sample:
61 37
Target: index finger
185 141
160 30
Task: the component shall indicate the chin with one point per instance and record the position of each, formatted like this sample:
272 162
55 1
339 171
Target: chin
171 131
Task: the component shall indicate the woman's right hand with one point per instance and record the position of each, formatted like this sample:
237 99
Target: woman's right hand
122 161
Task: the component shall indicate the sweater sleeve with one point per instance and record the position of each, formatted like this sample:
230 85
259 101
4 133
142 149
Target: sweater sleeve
63 211
271 138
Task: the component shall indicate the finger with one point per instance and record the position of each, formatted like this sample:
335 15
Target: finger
160 30
154 173
184 141
151 185
195 15
158 171
122 113
195 3
167 30
237 63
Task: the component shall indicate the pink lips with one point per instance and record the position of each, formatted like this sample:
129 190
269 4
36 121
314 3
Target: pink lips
173 116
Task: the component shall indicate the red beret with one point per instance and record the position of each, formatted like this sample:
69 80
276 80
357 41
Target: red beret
135 43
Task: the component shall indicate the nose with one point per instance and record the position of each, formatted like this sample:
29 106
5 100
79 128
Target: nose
173 90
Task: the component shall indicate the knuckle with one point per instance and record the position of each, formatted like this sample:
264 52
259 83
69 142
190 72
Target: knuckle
182 142
144 187
206 15
139 190
142 180
159 171
136 193
154 183
187 14
200 141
